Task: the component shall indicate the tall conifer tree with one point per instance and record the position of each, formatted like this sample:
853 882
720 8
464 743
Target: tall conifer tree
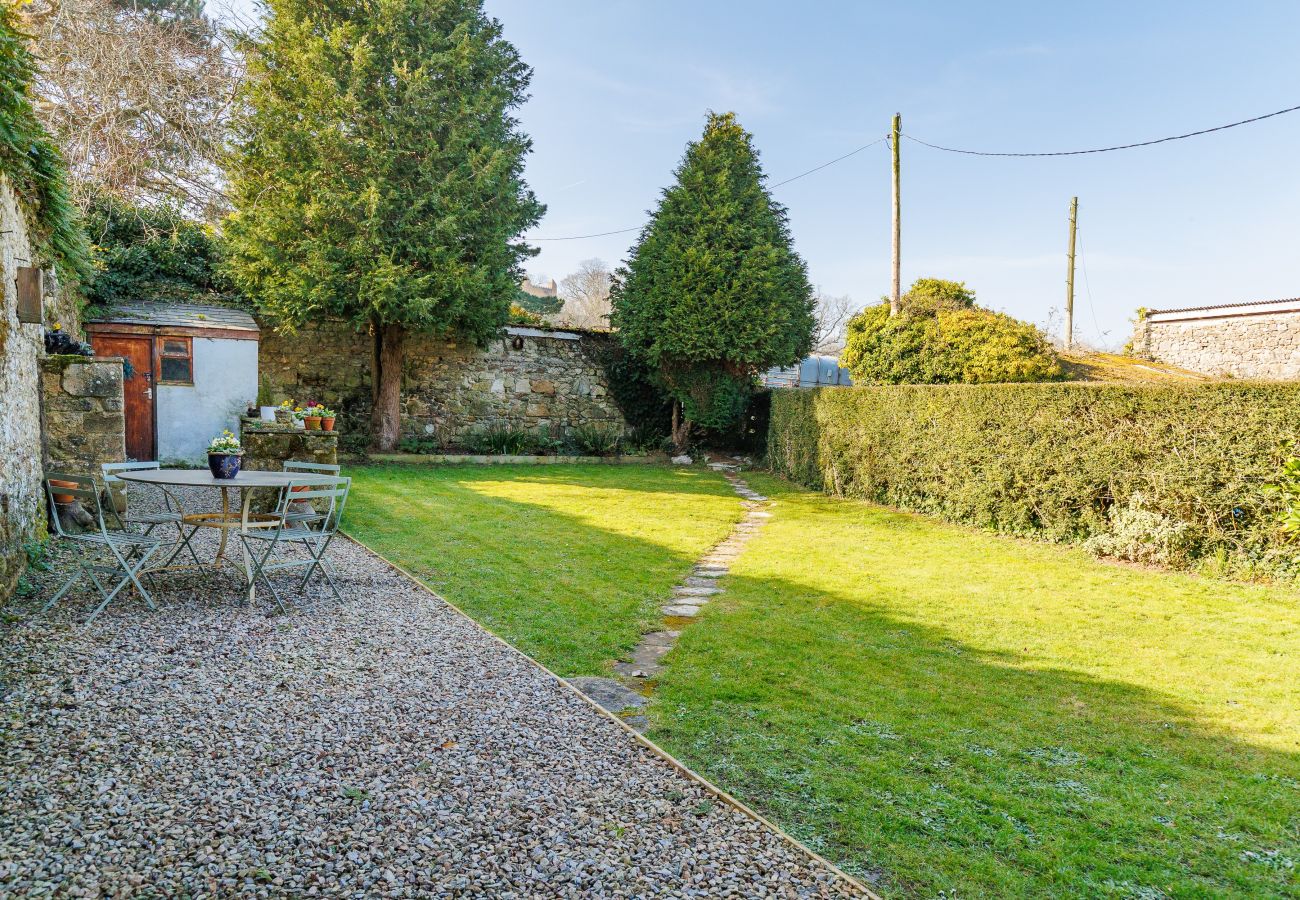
713 292
380 174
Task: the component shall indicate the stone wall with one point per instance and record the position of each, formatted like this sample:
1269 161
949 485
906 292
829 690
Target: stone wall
542 380
22 345
84 421
1264 346
22 508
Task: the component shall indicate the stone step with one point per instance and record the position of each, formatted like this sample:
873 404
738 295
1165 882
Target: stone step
685 610
689 591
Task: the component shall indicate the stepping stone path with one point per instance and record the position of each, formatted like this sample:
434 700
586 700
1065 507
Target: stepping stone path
627 694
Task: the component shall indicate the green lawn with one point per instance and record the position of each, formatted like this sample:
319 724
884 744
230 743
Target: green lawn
958 714
948 712
568 563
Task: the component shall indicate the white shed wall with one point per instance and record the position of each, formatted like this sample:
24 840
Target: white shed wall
225 382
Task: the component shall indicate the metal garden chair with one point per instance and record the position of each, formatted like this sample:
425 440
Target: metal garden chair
261 544
170 514
288 498
129 551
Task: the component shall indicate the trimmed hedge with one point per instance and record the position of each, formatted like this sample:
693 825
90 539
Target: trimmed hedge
1153 473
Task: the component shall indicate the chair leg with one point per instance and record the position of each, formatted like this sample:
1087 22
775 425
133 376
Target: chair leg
259 572
67 586
131 571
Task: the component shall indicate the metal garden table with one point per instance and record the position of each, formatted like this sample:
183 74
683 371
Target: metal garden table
226 520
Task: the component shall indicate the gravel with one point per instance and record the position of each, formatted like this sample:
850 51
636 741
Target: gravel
381 747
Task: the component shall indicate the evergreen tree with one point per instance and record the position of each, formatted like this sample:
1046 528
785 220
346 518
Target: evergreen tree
713 292
380 175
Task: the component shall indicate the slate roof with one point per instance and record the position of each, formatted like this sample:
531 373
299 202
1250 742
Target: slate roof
179 315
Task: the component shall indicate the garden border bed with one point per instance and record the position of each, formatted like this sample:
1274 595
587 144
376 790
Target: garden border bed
485 459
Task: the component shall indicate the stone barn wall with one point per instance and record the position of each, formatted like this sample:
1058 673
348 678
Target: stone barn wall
22 346
1246 341
543 380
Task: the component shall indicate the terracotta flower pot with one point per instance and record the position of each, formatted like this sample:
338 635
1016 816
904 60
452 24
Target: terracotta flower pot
327 423
62 498
311 423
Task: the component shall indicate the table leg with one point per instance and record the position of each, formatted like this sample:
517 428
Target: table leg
243 529
225 514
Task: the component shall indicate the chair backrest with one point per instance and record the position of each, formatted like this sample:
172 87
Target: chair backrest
295 465
333 490
110 469
81 488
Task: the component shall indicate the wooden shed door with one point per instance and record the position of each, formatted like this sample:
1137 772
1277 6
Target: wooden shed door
137 391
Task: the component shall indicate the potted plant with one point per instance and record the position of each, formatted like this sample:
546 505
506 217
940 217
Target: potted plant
311 417
284 413
266 406
327 417
225 455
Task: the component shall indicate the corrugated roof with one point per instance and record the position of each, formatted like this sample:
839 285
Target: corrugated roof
179 315
1183 309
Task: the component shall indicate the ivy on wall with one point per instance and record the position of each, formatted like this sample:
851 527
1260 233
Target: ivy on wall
1174 475
30 161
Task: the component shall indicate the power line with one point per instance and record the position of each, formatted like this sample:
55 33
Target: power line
1176 137
582 237
1083 262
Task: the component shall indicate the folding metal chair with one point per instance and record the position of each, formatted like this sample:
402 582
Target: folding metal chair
170 514
288 498
130 551
260 544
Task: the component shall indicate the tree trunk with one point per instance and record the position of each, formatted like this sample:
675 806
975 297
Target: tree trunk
386 384
681 429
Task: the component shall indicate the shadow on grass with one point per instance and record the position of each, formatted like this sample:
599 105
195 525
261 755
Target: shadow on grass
930 765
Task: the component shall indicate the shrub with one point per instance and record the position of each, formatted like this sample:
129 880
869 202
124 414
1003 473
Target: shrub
942 337
502 440
152 253
1157 473
596 440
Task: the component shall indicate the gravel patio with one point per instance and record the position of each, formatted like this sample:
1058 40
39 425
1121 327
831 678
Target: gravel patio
385 746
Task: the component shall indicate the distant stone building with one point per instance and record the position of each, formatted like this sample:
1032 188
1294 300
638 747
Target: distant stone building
1242 340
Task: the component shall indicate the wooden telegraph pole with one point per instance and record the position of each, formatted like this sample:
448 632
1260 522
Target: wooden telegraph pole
1069 277
895 299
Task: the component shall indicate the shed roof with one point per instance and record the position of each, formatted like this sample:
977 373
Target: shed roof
179 315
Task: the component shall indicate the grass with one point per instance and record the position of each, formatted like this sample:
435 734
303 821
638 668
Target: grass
951 713
946 712
568 563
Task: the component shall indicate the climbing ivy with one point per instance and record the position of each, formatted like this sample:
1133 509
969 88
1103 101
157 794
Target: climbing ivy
30 161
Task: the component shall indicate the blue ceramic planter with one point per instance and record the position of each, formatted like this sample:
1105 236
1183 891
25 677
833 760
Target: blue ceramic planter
224 465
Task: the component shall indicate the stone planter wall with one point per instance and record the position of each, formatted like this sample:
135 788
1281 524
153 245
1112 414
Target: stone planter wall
542 380
84 421
268 446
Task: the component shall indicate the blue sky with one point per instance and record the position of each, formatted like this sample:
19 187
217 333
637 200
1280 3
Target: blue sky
621 86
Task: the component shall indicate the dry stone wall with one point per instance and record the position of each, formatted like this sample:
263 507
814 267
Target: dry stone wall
1255 346
542 380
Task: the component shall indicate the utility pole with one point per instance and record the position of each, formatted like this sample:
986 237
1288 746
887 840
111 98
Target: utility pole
1069 277
895 298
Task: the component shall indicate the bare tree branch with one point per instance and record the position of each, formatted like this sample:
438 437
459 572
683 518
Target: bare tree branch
833 314
138 102
586 296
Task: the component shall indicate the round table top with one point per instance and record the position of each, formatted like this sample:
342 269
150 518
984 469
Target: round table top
203 478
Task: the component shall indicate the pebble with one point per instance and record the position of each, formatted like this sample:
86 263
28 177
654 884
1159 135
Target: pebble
384 746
